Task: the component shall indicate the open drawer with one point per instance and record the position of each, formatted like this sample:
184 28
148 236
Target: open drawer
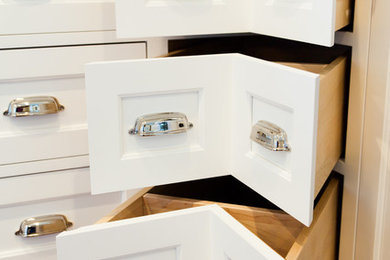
224 96
302 20
137 232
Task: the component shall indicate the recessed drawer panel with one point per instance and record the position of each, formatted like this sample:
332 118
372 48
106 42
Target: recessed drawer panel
276 125
36 127
302 20
81 210
26 17
158 226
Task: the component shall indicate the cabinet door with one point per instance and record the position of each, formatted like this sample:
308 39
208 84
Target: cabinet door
198 233
224 96
120 92
287 98
149 18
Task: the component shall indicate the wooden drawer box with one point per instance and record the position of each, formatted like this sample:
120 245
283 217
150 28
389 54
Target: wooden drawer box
276 229
298 87
53 141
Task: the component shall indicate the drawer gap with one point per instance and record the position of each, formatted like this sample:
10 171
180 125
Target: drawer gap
225 189
258 46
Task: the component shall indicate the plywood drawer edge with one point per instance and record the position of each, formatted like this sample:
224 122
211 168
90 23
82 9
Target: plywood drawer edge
293 240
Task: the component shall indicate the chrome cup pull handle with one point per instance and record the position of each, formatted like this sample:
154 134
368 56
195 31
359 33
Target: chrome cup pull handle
43 225
33 106
270 136
161 124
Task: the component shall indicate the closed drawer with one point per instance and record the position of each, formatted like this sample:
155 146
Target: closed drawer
305 20
194 234
65 192
296 88
26 17
53 141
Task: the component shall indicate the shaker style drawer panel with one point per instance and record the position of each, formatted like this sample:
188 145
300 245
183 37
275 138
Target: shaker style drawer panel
189 226
276 125
80 210
303 20
26 17
43 105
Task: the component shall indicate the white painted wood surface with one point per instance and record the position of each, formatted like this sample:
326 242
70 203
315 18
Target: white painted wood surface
288 98
53 16
61 39
224 96
309 21
139 18
305 20
197 233
62 61
44 186
82 210
55 72
198 87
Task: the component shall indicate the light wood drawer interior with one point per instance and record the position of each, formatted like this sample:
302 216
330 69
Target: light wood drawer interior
280 231
332 64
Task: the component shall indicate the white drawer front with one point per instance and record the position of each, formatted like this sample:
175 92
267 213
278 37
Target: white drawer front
309 21
25 17
35 195
199 233
224 95
156 86
140 18
57 72
51 185
80 210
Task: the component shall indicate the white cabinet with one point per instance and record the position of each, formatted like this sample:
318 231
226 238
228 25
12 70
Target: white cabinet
303 20
55 16
223 96
61 192
53 141
43 169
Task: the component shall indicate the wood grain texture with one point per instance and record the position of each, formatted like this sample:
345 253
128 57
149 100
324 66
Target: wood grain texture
319 240
133 207
330 120
278 229
343 13
330 115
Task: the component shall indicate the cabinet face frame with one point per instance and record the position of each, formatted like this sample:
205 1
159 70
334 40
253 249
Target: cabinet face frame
350 167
